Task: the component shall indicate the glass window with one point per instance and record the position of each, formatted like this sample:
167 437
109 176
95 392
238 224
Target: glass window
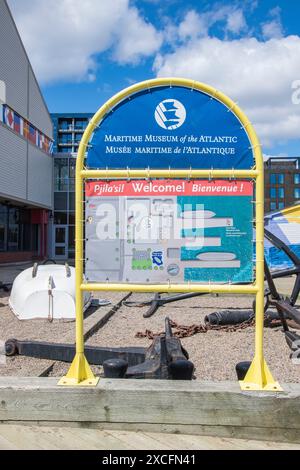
16 231
60 234
14 216
280 177
26 235
281 205
297 178
3 227
35 238
65 139
72 184
65 149
277 178
297 193
281 193
61 201
273 206
60 174
13 229
60 218
72 218
65 124
72 167
81 123
13 237
24 216
61 184
59 251
72 237
78 137
71 202
273 193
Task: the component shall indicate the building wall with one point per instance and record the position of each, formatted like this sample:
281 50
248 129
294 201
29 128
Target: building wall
40 177
72 125
37 111
282 183
25 170
76 124
13 62
13 165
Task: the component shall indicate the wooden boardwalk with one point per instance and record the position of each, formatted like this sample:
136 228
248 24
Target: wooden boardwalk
122 414
28 437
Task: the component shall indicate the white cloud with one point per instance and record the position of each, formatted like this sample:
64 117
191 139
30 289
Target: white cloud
273 28
63 37
137 38
236 22
192 26
257 74
196 24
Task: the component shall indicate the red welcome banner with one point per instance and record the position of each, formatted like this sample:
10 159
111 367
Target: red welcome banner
169 188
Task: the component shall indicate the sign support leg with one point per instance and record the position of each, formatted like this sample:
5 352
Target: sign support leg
80 373
259 376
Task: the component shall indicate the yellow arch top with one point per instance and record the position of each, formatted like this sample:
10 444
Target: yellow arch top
182 82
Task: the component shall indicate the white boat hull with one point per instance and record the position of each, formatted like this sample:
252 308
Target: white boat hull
46 291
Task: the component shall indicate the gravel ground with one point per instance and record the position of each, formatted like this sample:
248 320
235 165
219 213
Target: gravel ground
59 331
214 353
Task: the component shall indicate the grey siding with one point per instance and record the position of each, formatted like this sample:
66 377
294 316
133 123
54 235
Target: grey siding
25 171
39 176
13 63
23 92
37 114
13 164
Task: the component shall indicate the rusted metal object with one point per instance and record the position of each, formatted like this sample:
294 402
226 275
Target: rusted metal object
165 359
185 331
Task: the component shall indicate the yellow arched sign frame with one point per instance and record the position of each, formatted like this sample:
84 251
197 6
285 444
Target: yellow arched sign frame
258 376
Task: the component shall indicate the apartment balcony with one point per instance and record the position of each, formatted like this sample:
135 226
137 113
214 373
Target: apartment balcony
72 129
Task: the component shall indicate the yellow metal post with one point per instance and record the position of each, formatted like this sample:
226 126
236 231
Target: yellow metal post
80 372
184 288
258 376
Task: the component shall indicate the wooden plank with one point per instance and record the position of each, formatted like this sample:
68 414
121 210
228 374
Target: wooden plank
220 408
99 440
141 441
53 438
212 443
21 440
6 444
260 433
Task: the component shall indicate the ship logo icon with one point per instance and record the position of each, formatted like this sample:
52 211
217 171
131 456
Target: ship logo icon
170 114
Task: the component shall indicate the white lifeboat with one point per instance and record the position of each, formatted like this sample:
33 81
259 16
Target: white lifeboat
46 291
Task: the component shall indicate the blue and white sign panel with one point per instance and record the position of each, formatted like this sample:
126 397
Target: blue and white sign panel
170 127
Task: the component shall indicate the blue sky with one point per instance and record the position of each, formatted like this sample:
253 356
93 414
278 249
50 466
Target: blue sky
84 51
